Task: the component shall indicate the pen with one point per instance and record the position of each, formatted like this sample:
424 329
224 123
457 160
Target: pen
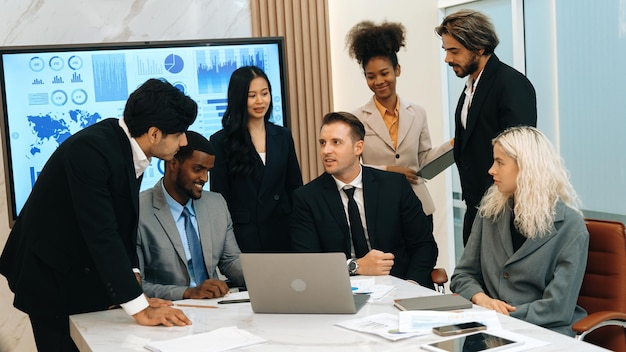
193 305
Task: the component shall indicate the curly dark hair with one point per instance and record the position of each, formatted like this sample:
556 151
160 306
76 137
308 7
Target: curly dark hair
367 40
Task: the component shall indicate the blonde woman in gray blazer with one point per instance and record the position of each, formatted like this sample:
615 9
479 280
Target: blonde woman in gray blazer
400 140
527 252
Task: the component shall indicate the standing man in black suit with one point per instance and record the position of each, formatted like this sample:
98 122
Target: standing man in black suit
496 97
73 246
390 234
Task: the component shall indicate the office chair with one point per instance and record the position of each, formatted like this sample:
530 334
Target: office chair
439 277
603 292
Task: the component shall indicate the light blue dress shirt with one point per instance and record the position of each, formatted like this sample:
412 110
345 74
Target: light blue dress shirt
177 210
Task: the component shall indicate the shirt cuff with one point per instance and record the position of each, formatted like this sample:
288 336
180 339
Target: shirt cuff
136 305
136 271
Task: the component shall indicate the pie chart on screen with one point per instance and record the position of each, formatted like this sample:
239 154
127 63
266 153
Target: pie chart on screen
174 63
180 86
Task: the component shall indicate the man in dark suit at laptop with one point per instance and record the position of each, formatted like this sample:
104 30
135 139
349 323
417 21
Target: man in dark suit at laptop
372 216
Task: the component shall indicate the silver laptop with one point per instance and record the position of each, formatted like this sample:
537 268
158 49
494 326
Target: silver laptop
300 283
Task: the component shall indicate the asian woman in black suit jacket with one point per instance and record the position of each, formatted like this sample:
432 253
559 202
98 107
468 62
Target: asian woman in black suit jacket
256 168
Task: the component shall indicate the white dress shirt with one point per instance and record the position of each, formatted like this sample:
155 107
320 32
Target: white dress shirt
470 89
141 162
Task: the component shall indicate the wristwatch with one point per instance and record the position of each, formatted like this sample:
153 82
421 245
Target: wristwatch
353 266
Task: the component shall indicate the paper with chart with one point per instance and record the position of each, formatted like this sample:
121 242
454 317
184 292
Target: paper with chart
423 321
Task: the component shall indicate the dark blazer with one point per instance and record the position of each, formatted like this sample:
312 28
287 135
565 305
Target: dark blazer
503 98
260 203
72 247
395 220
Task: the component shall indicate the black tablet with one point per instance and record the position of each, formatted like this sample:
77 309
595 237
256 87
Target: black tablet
472 343
436 166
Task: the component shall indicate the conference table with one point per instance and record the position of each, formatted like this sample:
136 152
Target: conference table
114 330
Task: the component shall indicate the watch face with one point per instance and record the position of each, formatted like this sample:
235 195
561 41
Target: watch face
352 266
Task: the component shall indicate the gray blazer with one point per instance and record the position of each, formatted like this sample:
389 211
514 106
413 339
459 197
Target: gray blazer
161 254
542 279
414 147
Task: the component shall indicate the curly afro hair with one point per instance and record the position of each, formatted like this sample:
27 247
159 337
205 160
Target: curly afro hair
367 40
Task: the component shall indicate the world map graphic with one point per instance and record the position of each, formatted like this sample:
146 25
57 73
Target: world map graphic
56 128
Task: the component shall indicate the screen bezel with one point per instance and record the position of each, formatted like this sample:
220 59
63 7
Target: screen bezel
33 49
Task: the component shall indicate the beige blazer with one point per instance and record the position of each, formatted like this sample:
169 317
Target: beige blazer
414 147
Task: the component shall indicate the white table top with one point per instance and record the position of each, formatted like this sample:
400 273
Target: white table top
115 331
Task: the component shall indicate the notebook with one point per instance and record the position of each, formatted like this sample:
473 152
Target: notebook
437 302
316 283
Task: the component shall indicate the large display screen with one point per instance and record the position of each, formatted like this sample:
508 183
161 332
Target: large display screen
50 92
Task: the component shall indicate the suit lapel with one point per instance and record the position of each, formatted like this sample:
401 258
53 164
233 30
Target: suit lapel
204 229
376 123
504 232
164 216
335 205
530 246
370 200
482 91
272 152
127 155
460 141
405 121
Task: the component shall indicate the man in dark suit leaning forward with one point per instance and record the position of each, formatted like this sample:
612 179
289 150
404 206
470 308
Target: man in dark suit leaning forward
389 234
73 246
166 252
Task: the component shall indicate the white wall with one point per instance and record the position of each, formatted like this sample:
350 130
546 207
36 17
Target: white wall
419 81
27 22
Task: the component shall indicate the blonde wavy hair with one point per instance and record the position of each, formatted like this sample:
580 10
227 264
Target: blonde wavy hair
541 181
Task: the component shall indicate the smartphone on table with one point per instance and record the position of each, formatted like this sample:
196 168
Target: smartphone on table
461 328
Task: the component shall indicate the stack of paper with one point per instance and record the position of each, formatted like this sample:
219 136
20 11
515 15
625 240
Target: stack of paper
218 340
414 323
384 325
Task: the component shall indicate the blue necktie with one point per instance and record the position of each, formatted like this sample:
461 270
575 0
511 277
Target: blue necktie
196 264
356 226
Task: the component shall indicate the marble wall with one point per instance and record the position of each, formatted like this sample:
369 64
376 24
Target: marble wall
28 22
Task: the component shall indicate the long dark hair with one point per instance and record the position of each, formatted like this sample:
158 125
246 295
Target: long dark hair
242 157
